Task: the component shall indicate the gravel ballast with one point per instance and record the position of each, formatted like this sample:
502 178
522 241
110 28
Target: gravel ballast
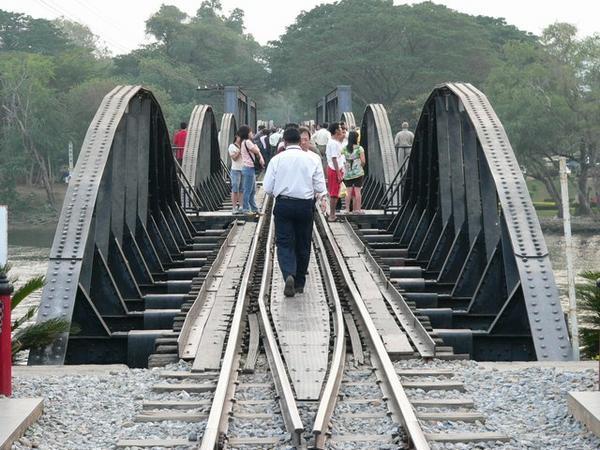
93 408
526 401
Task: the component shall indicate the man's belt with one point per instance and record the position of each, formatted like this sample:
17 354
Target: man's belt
285 197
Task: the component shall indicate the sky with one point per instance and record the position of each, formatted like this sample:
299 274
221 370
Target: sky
120 23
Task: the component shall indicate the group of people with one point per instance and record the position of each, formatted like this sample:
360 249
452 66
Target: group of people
301 170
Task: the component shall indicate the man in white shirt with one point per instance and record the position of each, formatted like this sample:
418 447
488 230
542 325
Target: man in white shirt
274 138
321 137
403 143
335 166
294 178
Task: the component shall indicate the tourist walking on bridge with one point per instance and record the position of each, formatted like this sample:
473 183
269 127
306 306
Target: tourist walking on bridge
179 142
335 166
321 138
235 174
354 173
403 143
250 152
294 177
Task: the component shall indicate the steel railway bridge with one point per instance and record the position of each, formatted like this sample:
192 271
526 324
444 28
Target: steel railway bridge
149 266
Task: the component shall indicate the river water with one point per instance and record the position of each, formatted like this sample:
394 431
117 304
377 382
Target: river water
29 249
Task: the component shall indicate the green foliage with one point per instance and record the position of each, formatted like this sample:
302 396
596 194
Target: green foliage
34 335
546 92
588 299
38 335
22 33
544 206
389 54
30 286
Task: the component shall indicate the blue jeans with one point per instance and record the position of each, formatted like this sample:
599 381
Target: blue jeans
249 189
293 235
236 180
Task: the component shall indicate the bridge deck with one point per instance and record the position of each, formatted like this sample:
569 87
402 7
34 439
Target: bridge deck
394 339
302 326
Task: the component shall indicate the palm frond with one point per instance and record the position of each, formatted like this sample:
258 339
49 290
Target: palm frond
6 269
588 301
32 285
38 335
28 315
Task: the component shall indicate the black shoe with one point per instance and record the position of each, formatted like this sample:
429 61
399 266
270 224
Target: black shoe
289 290
300 290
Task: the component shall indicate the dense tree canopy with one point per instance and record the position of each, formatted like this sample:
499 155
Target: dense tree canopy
389 54
547 95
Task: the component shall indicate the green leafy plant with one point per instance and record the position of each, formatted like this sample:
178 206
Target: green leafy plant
37 334
588 299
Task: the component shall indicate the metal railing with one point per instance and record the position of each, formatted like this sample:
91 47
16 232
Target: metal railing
190 200
392 197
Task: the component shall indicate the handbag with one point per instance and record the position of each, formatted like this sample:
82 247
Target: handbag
343 190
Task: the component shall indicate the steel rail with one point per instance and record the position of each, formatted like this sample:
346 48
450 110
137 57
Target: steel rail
336 368
417 333
217 418
289 408
185 348
401 408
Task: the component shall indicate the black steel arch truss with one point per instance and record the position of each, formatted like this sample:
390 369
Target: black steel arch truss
202 165
348 119
121 225
467 217
226 136
377 140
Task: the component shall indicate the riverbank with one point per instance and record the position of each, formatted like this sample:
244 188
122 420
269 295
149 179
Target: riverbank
34 213
32 210
581 225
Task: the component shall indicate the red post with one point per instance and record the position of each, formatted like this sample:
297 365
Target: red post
5 339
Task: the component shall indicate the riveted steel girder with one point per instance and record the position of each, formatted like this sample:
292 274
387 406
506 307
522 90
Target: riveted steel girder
468 218
120 224
226 136
377 140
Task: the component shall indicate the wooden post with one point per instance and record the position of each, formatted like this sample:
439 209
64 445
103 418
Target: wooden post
564 189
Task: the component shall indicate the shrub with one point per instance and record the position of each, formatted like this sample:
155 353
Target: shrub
588 299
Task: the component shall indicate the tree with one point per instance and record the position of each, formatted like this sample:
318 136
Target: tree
19 32
546 94
81 36
209 9
29 110
235 21
389 54
166 24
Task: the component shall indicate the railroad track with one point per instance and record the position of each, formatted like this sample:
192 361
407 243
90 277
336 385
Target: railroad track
426 402
304 390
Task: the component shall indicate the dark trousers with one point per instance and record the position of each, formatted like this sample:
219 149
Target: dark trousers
293 235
